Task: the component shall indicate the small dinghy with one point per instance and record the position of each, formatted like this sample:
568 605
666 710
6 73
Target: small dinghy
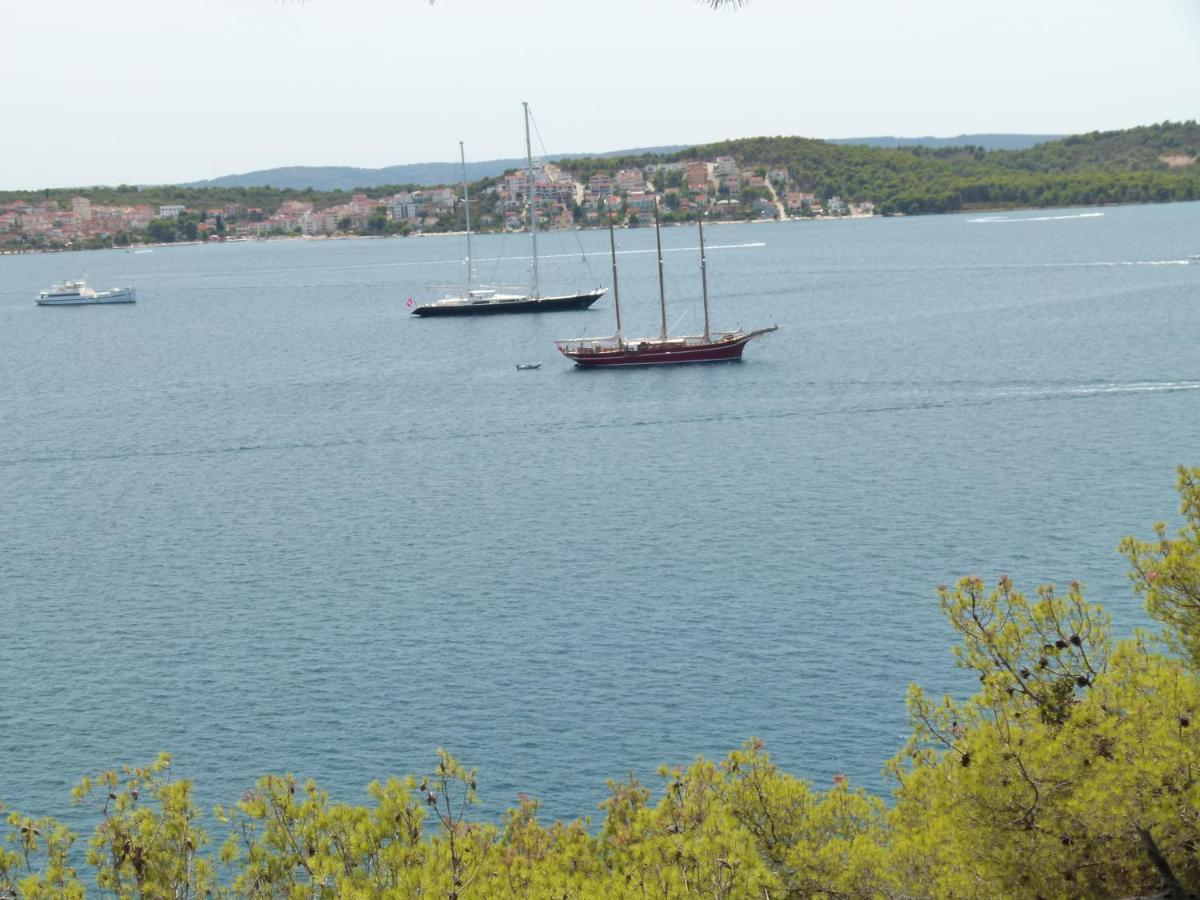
536 365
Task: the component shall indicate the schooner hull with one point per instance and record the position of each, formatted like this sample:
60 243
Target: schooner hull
648 353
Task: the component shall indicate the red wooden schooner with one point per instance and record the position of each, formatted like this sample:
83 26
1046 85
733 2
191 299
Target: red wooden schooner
617 350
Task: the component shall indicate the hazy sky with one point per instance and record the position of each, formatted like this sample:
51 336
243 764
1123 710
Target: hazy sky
153 91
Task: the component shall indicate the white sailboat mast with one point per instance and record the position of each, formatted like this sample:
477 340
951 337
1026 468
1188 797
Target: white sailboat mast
462 155
662 293
703 276
530 190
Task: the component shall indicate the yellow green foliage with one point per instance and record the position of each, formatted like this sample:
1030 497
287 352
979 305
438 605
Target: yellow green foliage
148 843
1166 572
1075 765
1072 772
34 859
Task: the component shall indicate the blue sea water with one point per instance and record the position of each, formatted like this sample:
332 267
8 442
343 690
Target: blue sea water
267 520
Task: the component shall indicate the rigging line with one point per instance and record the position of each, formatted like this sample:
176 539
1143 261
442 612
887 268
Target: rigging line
542 159
583 255
538 132
579 242
499 254
683 315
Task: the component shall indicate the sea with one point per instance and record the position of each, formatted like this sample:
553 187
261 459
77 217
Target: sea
269 521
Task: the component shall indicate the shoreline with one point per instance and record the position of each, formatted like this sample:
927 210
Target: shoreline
23 251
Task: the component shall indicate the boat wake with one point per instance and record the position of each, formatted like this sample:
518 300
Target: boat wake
1089 390
1008 394
1120 262
1014 266
988 220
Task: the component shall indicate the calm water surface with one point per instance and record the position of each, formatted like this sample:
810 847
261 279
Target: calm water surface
268 520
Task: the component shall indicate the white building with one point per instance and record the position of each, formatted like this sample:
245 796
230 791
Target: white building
726 165
404 206
318 222
600 184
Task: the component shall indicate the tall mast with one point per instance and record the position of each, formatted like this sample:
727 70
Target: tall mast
529 192
462 155
662 294
616 299
703 276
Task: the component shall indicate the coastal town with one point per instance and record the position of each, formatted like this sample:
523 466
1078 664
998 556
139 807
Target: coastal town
718 189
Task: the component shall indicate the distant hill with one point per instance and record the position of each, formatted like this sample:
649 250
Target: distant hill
429 174
348 178
986 141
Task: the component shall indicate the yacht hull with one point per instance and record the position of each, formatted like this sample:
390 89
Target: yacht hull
519 305
88 298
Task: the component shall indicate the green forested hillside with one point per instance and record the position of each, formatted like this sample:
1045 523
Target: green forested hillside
1101 167
1131 150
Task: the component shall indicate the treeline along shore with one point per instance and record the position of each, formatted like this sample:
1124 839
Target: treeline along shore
1074 771
736 180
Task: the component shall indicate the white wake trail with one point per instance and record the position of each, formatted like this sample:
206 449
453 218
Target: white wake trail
1087 390
989 220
